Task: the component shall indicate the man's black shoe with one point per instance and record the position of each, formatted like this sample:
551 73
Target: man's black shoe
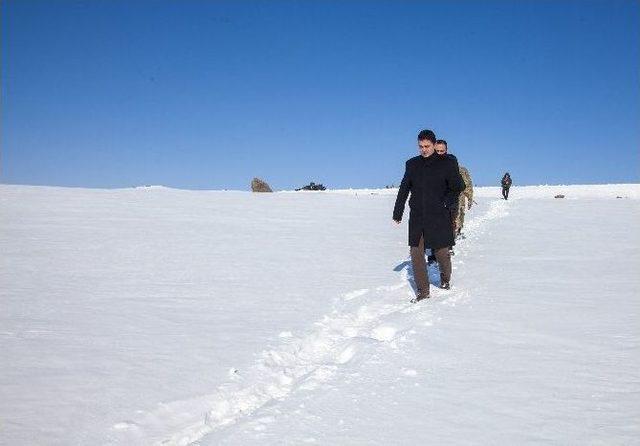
445 285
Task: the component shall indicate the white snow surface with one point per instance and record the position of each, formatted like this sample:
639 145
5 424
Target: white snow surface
157 316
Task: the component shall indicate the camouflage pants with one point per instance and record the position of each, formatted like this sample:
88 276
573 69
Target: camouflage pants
460 216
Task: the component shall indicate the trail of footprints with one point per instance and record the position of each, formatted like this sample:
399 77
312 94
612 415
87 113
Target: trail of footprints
360 319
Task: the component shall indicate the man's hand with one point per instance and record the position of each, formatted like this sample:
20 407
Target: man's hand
397 221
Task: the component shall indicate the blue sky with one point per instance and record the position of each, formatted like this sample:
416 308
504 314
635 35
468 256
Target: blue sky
208 94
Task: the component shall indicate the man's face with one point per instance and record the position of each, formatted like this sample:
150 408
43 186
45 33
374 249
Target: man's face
441 149
426 147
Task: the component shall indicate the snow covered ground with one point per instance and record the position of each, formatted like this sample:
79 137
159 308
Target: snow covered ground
162 316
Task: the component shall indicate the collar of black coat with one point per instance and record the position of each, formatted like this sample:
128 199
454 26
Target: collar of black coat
429 159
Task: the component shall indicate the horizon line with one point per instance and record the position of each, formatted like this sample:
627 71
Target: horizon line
162 186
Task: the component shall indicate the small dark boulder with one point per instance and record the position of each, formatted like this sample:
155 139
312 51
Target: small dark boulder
258 185
559 196
312 186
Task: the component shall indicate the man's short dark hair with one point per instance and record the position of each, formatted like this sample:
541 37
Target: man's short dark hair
442 141
427 134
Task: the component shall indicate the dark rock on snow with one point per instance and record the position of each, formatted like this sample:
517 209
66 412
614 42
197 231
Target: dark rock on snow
312 186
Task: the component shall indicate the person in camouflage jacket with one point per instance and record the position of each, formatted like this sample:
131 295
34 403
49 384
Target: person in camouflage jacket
465 201
462 202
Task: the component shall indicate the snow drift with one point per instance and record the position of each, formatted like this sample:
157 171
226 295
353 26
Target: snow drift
164 316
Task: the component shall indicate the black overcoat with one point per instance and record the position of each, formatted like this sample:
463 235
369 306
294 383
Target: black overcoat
434 183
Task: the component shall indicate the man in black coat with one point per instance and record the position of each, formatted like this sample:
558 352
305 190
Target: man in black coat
434 183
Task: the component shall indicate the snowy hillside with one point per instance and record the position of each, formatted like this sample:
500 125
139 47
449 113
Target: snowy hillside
151 316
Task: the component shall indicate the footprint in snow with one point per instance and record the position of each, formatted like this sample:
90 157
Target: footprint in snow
346 355
353 294
384 333
124 425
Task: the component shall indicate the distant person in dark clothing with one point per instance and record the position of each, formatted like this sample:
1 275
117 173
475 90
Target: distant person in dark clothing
434 182
506 184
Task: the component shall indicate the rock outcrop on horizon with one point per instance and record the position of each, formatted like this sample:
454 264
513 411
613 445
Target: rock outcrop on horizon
258 185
